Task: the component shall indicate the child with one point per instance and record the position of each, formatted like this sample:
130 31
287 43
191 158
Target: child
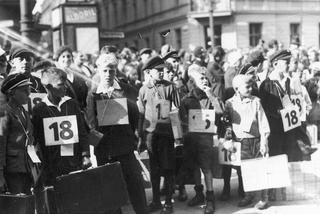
16 138
199 146
250 127
56 104
156 99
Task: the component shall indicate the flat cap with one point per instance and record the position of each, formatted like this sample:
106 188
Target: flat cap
14 81
247 69
19 51
171 54
145 51
255 58
280 55
154 62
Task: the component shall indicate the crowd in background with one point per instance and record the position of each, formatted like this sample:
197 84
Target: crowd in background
232 83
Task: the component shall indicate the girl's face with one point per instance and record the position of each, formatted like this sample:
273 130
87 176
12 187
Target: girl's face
65 59
245 89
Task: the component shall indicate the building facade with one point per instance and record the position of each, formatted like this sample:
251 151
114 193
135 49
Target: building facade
238 23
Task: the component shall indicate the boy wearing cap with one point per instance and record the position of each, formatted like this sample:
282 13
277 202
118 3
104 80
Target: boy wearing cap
250 126
16 137
117 143
155 101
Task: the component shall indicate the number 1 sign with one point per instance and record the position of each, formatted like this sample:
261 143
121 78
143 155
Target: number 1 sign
60 130
290 118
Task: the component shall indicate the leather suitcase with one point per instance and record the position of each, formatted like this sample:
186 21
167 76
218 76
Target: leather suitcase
95 190
17 204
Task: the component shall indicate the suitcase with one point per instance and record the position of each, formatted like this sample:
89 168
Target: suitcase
17 204
95 190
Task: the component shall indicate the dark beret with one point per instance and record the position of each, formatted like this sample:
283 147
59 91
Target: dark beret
61 50
154 62
15 80
246 69
145 51
280 55
19 51
171 54
198 51
255 58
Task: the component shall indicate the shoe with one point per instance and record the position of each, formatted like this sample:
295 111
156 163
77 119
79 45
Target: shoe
198 199
261 205
247 200
154 206
167 209
210 203
182 195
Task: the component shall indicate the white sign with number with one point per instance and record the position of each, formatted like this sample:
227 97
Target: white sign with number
60 130
298 101
161 111
230 153
34 99
112 112
290 118
201 120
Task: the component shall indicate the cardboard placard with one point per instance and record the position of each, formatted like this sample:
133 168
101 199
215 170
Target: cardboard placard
230 153
176 124
60 130
34 99
312 132
112 112
265 173
161 111
290 118
201 120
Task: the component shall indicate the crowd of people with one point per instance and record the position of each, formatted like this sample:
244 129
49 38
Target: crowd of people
263 98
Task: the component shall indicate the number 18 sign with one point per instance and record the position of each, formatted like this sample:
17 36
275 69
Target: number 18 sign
60 130
290 118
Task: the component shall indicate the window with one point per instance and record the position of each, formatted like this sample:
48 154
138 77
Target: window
124 9
114 5
134 4
217 35
178 38
295 31
146 7
255 30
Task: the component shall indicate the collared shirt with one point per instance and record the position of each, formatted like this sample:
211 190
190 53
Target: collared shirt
247 117
49 103
108 90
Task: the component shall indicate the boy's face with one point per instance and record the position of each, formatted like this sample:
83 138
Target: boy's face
107 73
156 74
168 74
201 81
282 66
58 88
245 89
174 62
21 94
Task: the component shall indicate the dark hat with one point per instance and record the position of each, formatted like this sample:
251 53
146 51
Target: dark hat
218 51
171 54
198 51
247 69
15 80
280 55
154 62
19 51
255 58
108 49
61 50
145 51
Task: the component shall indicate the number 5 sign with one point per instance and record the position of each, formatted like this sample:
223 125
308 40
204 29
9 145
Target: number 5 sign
290 118
60 130
201 120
